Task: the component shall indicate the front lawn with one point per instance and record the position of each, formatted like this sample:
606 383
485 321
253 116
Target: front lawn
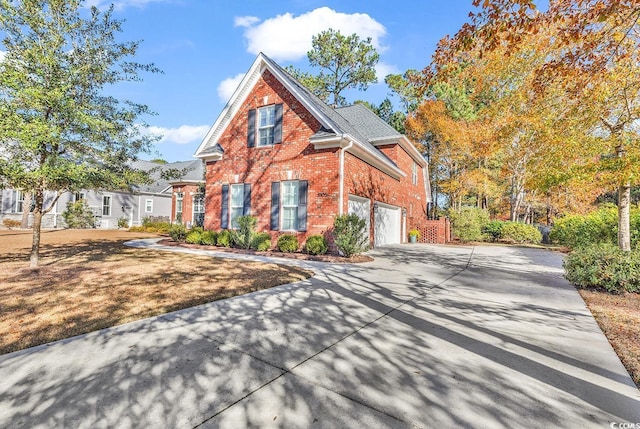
619 319
88 281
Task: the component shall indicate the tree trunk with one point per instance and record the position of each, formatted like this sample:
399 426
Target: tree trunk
624 204
26 209
34 258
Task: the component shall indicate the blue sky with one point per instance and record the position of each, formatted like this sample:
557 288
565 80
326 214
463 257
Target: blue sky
205 46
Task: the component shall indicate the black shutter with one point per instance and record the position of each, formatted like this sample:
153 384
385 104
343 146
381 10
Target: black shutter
251 128
224 216
302 205
277 129
246 209
275 206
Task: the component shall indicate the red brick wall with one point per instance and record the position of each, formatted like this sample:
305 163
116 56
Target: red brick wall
294 158
366 181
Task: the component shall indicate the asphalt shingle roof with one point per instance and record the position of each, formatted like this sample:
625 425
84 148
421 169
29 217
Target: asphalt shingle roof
189 171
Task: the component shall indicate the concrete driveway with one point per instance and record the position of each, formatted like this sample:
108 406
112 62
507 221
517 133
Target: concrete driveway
425 336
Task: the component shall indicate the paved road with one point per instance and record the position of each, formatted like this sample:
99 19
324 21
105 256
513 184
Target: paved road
425 336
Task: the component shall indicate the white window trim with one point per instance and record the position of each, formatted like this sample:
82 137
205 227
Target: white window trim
282 206
79 196
147 208
109 205
231 206
19 202
271 126
414 173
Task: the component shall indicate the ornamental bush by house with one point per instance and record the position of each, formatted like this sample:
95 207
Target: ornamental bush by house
246 231
78 214
194 237
261 242
224 238
350 234
208 238
604 266
316 245
178 232
287 243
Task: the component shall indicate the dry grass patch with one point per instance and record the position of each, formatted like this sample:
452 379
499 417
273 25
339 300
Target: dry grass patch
619 319
88 280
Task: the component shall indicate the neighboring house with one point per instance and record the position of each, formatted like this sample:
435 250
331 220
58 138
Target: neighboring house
279 153
151 200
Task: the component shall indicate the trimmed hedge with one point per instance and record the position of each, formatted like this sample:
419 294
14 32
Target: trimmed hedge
287 243
604 266
261 242
316 245
520 233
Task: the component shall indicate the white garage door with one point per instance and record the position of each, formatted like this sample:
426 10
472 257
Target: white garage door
387 224
361 207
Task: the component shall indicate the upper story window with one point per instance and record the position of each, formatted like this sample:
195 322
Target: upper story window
266 124
414 174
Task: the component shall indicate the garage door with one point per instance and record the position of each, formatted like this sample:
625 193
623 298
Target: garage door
361 207
387 224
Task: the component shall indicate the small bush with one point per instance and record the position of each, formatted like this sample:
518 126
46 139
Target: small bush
246 230
316 245
11 223
178 232
349 232
493 230
261 242
123 223
604 266
137 229
287 243
194 237
467 224
224 238
209 238
520 233
78 215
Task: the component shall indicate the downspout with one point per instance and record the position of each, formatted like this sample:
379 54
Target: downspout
341 184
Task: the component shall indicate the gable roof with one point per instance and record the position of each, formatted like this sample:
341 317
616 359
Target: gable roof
190 172
348 127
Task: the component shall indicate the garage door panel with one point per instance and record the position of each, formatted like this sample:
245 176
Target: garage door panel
387 223
361 207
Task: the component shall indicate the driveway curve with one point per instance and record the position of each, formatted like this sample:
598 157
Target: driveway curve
424 336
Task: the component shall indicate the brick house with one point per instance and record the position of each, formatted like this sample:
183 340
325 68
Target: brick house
281 154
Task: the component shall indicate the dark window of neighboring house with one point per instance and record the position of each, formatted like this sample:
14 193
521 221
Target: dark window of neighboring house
106 205
198 209
148 206
264 126
289 205
236 202
179 200
78 196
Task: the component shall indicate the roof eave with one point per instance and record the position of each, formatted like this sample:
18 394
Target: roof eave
405 144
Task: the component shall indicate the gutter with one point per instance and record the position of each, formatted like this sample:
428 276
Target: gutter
341 184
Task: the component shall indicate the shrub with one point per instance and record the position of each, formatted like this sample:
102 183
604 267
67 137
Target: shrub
11 223
493 230
246 230
520 233
194 237
123 222
224 238
287 243
137 229
209 238
178 232
604 266
467 224
261 242
78 215
316 245
600 226
349 232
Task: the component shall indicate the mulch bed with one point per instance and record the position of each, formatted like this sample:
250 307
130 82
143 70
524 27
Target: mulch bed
335 259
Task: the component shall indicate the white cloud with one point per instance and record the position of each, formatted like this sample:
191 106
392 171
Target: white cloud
182 135
384 69
288 37
2 54
228 86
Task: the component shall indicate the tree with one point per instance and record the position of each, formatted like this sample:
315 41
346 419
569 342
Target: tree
345 62
59 129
